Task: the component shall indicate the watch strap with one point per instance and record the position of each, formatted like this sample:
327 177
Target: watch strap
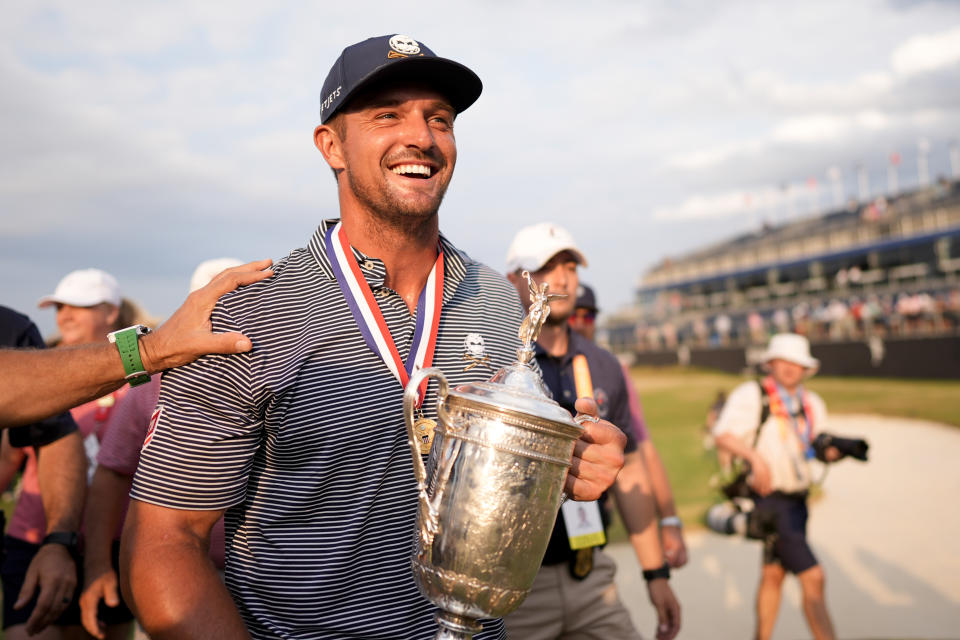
671 521
69 539
654 574
128 345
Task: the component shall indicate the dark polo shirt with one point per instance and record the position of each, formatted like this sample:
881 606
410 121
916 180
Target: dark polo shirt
16 330
613 403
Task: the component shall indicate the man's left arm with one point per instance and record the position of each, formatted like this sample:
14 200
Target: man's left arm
671 528
61 468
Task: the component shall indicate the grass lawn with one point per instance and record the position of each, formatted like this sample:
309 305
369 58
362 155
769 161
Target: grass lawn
676 400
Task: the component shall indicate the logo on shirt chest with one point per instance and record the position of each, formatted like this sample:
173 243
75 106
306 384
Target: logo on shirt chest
475 352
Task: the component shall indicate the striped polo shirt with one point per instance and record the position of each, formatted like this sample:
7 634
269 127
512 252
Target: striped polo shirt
303 441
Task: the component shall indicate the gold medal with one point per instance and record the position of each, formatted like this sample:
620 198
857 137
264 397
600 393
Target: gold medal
424 428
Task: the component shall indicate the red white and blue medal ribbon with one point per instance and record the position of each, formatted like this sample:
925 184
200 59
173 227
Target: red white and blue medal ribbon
370 320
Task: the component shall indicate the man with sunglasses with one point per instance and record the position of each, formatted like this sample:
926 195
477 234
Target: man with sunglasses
583 321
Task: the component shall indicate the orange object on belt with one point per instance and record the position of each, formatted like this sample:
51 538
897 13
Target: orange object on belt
581 376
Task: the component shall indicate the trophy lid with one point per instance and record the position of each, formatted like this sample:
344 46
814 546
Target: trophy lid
518 388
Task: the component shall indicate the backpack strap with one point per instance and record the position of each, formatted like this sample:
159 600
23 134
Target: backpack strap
764 412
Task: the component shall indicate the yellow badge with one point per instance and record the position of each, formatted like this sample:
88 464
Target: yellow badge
424 428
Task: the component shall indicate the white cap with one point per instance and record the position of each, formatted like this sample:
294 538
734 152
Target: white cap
208 269
533 247
84 288
793 348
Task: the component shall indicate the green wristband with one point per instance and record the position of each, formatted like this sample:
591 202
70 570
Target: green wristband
128 344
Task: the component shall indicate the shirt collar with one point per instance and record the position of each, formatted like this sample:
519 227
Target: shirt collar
574 347
454 261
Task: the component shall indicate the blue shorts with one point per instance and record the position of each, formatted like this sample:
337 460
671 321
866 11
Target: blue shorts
790 549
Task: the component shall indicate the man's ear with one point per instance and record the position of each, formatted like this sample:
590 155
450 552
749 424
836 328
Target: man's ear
330 145
114 315
521 286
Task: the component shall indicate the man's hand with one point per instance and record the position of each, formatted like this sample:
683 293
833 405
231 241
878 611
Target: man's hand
673 546
100 585
668 609
760 476
186 335
54 572
597 455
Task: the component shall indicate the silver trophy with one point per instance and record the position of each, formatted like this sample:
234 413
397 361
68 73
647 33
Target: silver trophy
492 486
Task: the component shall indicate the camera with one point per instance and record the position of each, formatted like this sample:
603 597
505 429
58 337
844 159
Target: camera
853 447
740 517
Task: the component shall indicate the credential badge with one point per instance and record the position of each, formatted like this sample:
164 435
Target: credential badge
405 45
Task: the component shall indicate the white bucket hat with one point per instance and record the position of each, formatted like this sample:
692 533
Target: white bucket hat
791 347
533 247
84 288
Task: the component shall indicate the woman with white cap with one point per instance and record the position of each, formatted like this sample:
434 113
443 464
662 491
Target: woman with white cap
108 496
771 425
88 306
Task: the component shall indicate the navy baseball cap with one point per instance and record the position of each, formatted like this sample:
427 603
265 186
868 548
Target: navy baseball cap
390 57
585 298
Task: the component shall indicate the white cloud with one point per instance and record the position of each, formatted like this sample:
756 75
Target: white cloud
927 52
720 205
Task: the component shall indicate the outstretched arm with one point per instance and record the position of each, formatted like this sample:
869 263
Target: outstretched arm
184 599
38 383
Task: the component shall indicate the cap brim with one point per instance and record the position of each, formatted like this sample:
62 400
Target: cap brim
47 301
812 364
458 83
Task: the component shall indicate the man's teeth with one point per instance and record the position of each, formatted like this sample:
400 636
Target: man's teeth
420 169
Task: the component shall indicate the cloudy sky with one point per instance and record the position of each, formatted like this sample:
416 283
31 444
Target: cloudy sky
144 137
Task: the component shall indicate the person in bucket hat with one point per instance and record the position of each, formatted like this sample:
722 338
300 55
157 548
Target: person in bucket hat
771 424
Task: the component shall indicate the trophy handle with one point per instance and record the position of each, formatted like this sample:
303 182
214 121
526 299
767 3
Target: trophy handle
410 397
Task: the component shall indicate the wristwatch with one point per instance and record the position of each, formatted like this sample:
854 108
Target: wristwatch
68 539
653 574
128 344
671 521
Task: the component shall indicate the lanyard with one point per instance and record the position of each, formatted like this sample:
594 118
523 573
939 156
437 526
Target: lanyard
370 320
804 434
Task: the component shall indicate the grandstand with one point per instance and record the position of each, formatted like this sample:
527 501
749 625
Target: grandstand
880 270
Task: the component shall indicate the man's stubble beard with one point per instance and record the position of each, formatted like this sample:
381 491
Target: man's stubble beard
556 319
392 211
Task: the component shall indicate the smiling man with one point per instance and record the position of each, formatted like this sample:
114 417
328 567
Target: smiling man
302 441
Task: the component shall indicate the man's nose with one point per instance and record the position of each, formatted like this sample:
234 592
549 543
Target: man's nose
417 132
560 277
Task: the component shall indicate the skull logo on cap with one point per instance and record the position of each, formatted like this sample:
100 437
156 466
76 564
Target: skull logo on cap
404 44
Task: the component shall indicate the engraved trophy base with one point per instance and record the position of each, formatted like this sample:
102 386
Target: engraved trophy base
454 627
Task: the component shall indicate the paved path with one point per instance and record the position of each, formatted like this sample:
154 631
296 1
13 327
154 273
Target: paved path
887 533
